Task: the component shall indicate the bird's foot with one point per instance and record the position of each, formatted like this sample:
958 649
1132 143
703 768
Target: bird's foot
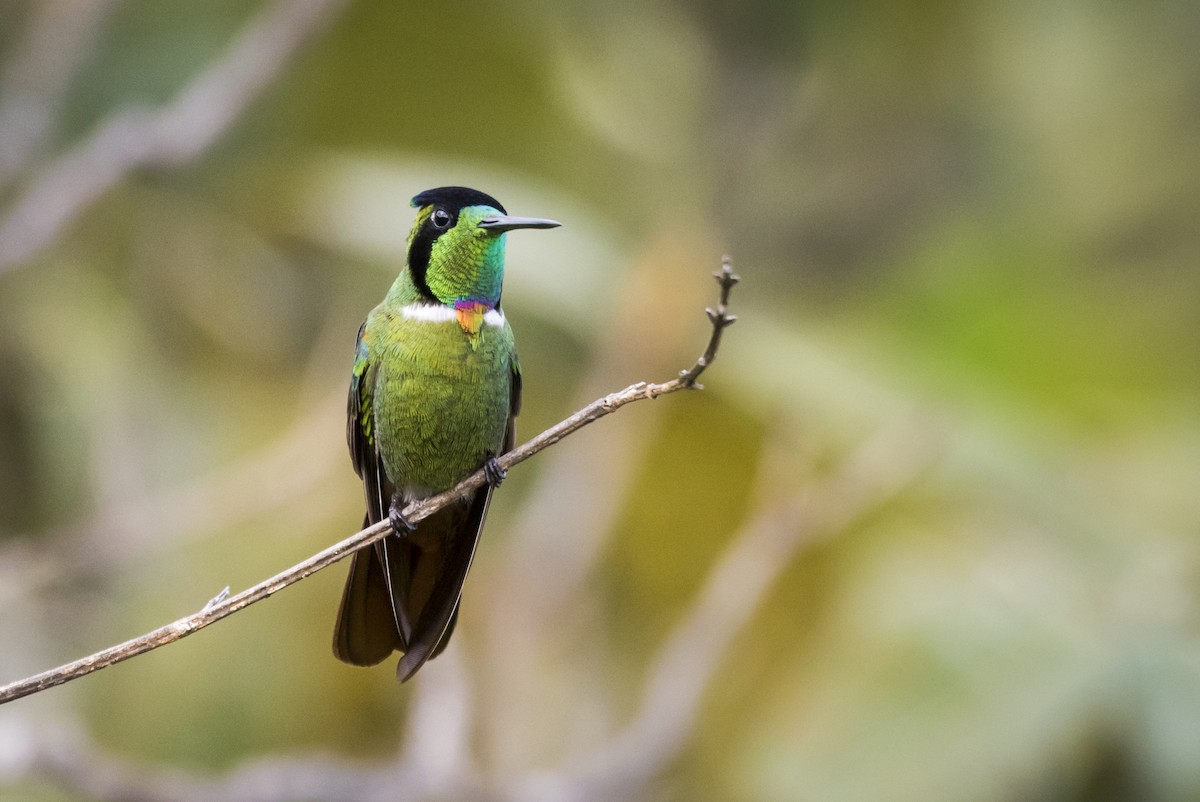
493 472
400 525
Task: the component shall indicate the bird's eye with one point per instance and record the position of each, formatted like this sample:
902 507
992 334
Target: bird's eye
440 218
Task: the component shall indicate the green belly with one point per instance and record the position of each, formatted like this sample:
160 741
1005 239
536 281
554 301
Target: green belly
441 407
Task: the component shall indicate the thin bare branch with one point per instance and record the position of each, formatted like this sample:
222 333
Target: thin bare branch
133 138
414 512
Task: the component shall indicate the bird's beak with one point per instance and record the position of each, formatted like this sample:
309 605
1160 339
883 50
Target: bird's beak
503 222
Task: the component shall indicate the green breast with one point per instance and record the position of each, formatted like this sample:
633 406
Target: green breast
441 406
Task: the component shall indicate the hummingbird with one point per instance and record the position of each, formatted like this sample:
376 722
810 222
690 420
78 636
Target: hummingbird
435 388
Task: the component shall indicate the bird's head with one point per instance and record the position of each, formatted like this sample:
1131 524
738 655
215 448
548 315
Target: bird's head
456 247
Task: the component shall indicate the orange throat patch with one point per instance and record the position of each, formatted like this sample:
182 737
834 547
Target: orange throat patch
470 316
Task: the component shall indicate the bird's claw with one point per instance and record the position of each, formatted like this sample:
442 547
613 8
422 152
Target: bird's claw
493 472
400 525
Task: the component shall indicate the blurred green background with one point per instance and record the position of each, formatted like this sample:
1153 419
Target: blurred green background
954 438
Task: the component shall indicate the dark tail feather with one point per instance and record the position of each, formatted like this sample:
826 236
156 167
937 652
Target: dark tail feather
445 570
449 631
403 594
366 631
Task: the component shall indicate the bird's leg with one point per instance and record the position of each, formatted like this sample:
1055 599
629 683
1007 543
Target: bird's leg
400 525
493 472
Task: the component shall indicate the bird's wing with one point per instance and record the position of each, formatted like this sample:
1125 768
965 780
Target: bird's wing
514 403
360 431
367 631
457 541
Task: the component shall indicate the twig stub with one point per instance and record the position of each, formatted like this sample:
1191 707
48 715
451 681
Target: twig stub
720 319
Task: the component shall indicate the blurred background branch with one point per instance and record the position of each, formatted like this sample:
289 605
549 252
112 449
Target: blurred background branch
733 591
979 211
58 37
133 138
61 754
